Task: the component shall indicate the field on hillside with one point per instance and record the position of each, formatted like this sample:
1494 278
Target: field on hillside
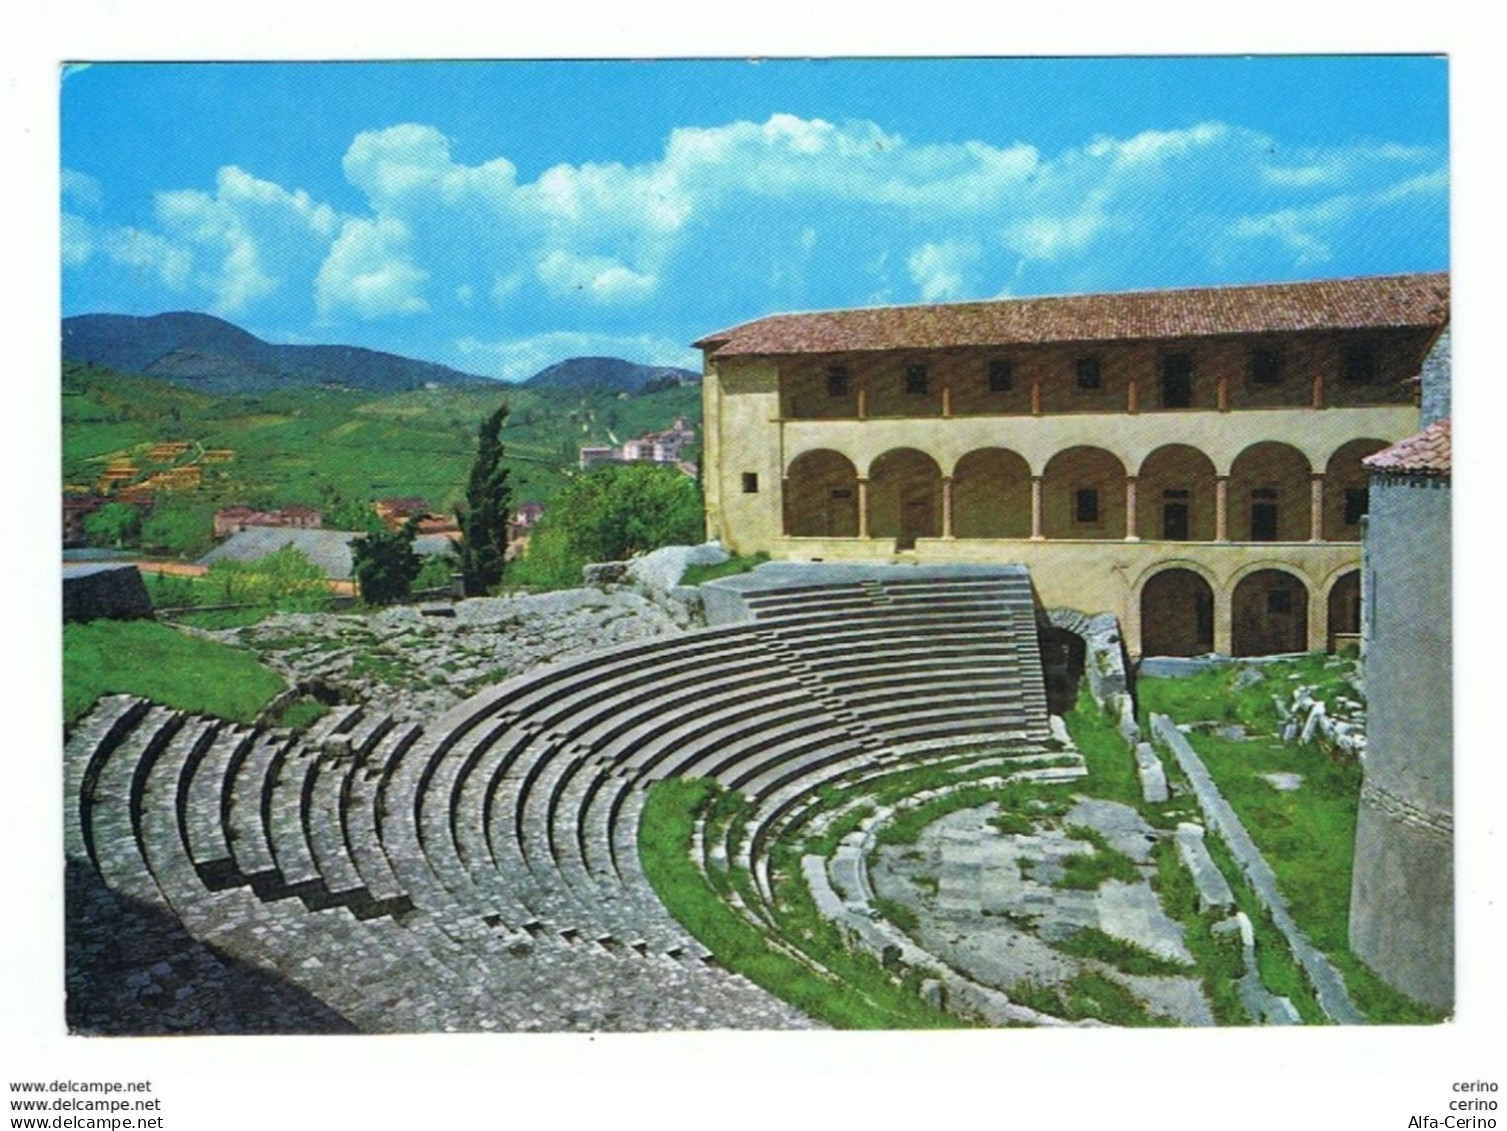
308 445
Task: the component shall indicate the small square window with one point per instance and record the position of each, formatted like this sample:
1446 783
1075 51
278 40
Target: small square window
1086 506
1266 366
1358 365
915 380
1001 376
750 483
838 381
1089 378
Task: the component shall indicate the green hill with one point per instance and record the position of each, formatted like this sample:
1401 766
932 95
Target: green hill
311 445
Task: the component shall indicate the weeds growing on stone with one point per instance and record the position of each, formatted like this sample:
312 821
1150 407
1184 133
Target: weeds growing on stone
1125 956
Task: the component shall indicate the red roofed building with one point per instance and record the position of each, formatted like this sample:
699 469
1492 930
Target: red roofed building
1188 459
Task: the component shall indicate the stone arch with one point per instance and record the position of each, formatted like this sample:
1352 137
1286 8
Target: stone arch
991 495
905 497
1270 499
1176 495
1083 494
1269 613
1346 489
821 496
1177 614
1343 607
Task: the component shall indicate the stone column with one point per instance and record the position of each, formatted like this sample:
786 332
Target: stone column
1318 390
947 506
785 505
1222 392
1035 396
946 400
863 398
1316 509
863 506
1318 620
1224 622
1132 532
1036 534
1132 395
1221 510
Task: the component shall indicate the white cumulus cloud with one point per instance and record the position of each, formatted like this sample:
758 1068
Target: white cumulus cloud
369 272
941 270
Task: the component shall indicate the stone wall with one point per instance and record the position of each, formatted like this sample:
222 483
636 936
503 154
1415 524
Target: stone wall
1402 897
95 592
1436 382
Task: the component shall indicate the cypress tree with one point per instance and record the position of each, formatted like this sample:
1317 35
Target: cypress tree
484 516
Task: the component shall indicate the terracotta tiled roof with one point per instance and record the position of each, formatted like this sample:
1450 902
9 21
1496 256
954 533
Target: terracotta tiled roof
1427 453
1335 304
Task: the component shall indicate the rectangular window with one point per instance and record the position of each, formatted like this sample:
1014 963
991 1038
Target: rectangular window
1357 504
915 379
1086 506
1001 376
1175 521
1358 365
750 483
1177 380
1263 521
1266 366
1089 378
838 381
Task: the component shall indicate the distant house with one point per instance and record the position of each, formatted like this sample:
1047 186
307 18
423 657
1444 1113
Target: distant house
232 520
595 454
442 525
652 447
396 511
527 515
76 508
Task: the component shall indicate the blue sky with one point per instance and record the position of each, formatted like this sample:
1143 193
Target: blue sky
500 216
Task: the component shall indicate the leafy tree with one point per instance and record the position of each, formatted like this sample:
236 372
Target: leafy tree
341 513
435 572
181 529
484 515
285 579
385 565
611 513
114 524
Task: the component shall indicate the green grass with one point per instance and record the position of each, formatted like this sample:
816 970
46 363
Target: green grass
908 824
1219 958
1111 763
301 714
170 667
1127 957
696 574
863 996
898 913
1088 871
1307 835
1087 995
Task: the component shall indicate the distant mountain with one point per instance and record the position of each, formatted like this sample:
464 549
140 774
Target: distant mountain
208 353
605 374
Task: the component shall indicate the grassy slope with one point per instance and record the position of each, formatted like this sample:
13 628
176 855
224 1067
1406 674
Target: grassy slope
1307 835
171 667
293 444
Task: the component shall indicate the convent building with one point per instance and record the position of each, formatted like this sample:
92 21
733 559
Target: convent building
1190 460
